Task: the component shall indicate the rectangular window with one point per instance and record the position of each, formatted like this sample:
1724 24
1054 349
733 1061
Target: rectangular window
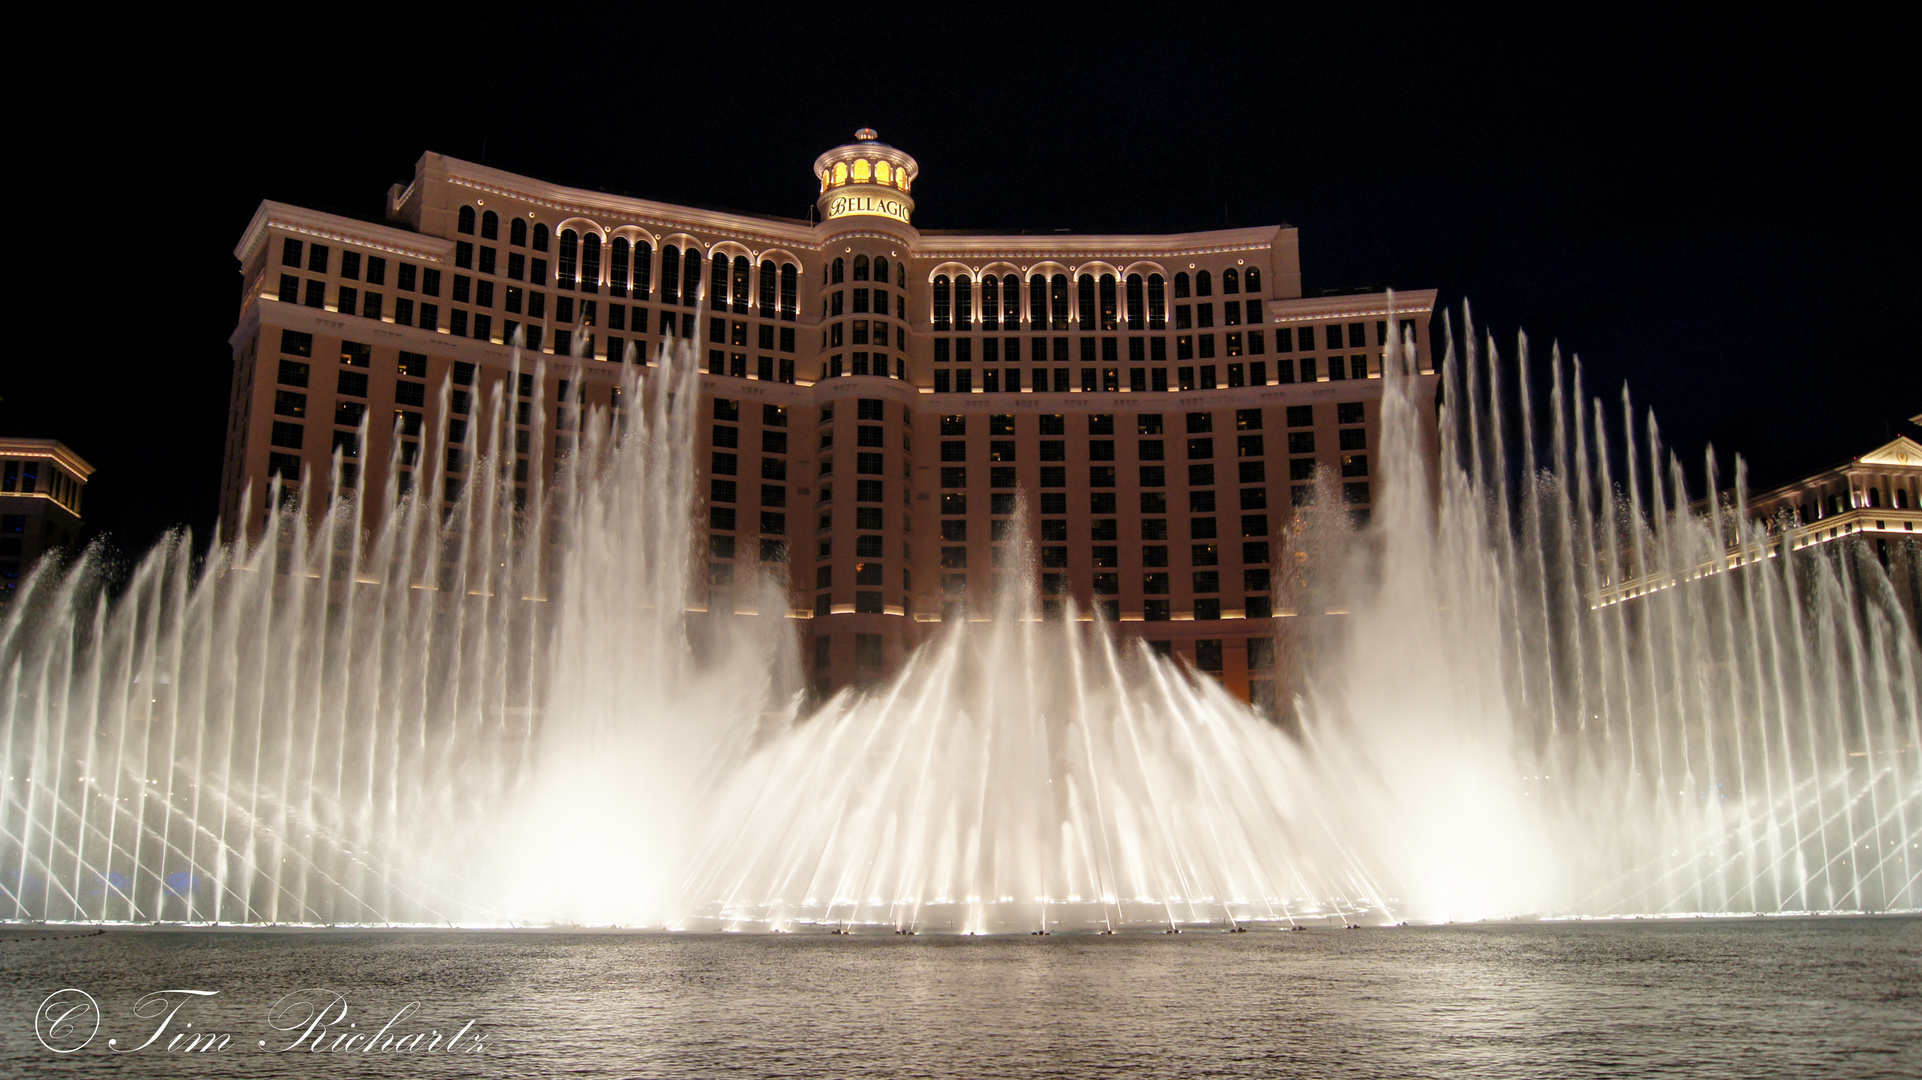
289 289
290 252
293 373
317 258
316 293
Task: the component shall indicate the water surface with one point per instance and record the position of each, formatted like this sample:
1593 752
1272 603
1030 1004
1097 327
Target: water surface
1750 998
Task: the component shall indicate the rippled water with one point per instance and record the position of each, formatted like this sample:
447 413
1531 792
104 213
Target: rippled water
1831 997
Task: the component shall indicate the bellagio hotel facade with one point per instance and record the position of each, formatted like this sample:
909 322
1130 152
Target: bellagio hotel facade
874 395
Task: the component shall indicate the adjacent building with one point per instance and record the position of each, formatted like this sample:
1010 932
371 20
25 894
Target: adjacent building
41 482
1874 498
876 395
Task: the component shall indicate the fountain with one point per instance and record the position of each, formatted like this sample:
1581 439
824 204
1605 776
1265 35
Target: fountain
1555 691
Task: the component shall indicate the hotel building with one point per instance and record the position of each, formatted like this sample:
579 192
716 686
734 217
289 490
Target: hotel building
874 396
41 482
1874 498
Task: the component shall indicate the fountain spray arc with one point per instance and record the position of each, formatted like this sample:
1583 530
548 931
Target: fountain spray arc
1562 695
1702 712
337 724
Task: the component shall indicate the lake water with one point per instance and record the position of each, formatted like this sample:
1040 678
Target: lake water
1743 998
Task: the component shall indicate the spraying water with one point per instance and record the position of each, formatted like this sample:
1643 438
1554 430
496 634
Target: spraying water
1563 695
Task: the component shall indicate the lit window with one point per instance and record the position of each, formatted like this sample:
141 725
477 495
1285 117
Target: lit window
861 173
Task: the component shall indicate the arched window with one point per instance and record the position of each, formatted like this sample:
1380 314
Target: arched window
490 226
1085 301
617 255
591 263
1108 321
540 237
861 263
1037 302
768 283
1157 304
717 282
942 292
881 269
1137 318
1230 282
1181 286
835 271
963 303
742 270
990 303
1875 498
790 291
901 273
1251 281
670 275
1011 302
517 232
1058 301
643 269
570 255
691 278
466 223
1204 285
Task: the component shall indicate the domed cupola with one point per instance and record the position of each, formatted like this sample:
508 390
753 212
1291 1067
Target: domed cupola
866 177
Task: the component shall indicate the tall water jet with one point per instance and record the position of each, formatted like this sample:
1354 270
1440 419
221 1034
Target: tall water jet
1539 686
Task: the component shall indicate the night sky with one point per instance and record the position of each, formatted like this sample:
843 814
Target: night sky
1716 212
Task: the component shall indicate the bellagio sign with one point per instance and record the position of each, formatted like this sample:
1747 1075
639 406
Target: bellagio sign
843 205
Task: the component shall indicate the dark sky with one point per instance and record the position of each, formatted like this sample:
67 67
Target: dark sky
1715 211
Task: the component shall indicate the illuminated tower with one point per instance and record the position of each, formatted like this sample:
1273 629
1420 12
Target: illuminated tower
866 179
862 613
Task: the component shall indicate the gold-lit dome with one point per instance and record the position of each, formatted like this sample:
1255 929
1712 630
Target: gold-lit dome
866 176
